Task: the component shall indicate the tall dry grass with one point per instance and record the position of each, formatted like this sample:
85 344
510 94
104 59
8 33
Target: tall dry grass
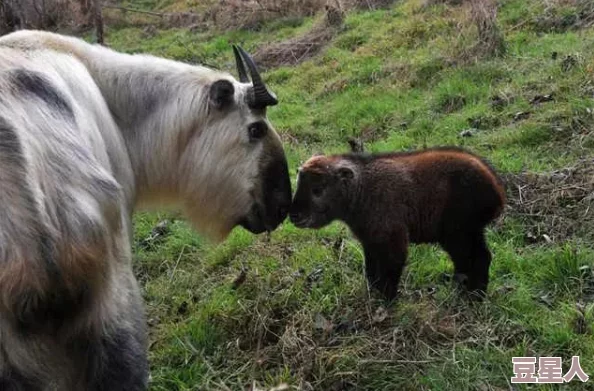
490 37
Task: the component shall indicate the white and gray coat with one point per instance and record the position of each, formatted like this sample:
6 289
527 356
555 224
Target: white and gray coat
87 134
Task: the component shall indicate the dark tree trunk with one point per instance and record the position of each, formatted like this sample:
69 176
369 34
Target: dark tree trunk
9 19
98 16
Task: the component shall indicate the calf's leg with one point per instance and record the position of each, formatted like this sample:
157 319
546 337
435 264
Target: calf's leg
384 261
471 258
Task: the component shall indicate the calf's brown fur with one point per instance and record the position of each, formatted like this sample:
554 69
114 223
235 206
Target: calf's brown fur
441 195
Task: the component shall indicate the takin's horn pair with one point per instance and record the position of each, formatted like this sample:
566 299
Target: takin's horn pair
260 96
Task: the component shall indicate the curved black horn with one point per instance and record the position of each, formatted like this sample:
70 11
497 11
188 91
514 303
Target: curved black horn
262 96
243 77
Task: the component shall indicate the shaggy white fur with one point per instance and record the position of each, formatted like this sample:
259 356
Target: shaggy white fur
86 135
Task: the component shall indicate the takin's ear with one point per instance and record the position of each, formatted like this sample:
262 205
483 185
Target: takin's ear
221 94
345 173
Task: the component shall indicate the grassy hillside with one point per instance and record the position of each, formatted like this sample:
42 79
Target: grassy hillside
293 307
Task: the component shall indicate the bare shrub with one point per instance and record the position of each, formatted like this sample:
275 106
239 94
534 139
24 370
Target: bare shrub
297 50
484 16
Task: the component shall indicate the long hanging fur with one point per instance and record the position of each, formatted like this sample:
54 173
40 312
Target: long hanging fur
86 134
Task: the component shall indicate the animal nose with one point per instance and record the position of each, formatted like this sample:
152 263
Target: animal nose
277 192
283 202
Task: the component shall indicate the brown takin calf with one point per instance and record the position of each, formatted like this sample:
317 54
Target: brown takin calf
441 195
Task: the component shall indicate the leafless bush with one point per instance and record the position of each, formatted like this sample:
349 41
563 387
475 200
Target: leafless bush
490 38
483 15
45 14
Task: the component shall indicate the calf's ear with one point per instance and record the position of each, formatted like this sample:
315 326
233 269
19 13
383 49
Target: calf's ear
221 94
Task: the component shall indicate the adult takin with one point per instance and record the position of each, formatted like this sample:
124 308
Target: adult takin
440 195
86 135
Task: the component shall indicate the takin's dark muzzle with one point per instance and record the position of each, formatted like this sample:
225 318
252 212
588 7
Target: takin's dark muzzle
276 190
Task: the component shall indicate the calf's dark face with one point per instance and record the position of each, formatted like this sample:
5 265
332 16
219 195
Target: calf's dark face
320 198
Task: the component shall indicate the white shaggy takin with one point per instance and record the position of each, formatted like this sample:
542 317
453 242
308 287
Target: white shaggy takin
86 135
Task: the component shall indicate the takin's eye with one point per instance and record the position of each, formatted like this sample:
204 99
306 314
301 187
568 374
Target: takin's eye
257 130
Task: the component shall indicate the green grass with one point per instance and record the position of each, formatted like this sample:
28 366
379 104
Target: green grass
303 316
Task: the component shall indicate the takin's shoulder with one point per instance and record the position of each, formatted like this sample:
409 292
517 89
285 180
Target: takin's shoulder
61 205
31 40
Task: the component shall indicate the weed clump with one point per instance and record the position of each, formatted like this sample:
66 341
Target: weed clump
451 103
490 37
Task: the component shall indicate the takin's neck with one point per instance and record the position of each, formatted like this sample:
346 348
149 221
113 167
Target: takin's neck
156 103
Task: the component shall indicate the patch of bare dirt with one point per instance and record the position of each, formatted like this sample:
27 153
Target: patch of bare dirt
557 205
299 49
252 14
